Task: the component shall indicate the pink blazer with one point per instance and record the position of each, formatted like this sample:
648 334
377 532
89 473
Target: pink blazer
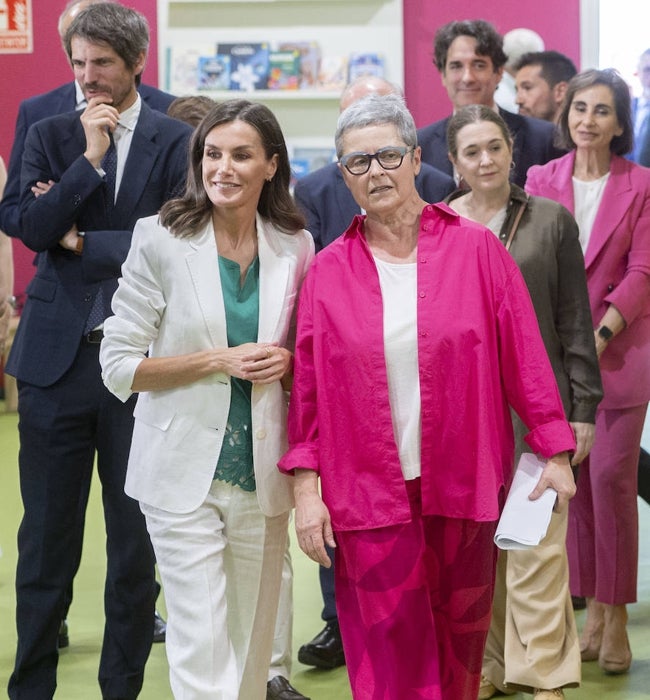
617 260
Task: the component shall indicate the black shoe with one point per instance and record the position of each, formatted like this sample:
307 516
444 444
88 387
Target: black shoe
578 602
159 628
325 650
279 688
64 638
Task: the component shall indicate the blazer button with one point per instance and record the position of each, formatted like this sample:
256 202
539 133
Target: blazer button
610 287
88 297
260 434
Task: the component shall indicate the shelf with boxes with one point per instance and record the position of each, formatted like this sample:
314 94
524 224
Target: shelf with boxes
294 56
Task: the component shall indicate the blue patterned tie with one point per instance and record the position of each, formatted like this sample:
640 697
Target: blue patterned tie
109 166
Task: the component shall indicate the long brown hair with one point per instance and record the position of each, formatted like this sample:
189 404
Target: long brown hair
188 214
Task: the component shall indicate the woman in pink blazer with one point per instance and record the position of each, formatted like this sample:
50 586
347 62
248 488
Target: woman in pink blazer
610 198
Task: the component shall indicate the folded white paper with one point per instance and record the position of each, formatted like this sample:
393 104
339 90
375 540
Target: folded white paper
523 522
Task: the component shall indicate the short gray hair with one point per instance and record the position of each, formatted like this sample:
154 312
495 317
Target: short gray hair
373 110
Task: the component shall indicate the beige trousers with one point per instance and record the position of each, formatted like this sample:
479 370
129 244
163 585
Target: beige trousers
533 640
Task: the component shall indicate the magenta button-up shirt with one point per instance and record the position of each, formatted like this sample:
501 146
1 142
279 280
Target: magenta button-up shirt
479 350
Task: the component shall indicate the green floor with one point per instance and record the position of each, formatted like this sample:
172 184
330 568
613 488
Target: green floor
78 664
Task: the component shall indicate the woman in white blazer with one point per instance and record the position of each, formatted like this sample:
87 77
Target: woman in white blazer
202 322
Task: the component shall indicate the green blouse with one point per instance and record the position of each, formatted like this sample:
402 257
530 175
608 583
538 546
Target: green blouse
235 464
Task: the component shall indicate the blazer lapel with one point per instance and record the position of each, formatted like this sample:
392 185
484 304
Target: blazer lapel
203 265
139 164
560 181
618 197
274 281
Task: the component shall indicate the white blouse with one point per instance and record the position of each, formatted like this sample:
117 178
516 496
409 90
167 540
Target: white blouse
398 282
587 196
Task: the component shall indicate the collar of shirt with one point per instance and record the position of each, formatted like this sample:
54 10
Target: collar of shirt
123 135
129 117
80 99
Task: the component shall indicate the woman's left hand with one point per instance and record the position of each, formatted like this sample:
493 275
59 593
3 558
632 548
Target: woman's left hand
266 364
556 475
584 434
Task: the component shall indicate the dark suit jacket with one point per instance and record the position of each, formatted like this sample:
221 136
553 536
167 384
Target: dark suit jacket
644 147
60 296
533 144
57 101
329 206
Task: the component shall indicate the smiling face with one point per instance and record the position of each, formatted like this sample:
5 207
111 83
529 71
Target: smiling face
102 73
380 191
592 118
235 166
469 79
483 156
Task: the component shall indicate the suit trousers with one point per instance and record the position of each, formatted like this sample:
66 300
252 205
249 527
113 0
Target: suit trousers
61 428
533 640
326 578
603 535
221 568
283 635
414 603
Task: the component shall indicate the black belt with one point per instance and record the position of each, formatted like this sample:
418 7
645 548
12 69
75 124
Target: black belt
94 337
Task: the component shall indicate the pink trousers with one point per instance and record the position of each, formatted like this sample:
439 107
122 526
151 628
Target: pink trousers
603 534
414 605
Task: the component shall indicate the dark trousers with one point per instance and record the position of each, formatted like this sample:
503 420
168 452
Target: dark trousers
326 577
644 476
61 429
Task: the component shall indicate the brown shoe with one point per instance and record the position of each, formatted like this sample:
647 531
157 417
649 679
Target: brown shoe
615 654
592 632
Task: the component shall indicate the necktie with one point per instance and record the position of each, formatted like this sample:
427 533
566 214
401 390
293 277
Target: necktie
109 166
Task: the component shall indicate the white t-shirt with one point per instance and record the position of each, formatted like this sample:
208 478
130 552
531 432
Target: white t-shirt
587 196
398 282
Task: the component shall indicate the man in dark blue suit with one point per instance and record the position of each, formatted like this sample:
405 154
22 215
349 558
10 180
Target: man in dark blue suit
64 98
86 178
469 55
330 207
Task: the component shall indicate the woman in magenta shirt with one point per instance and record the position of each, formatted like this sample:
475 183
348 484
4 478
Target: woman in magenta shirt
415 334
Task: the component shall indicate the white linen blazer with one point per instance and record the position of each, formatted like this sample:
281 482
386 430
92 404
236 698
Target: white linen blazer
169 302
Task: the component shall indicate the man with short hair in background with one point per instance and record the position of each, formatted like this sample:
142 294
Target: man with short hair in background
641 113
470 58
87 177
541 80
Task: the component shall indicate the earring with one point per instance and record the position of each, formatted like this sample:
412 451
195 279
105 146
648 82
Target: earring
269 179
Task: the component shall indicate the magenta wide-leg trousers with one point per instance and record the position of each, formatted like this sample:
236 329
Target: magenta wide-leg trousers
603 534
414 605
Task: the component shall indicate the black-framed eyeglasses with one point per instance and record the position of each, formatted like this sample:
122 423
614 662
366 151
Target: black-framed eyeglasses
390 158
